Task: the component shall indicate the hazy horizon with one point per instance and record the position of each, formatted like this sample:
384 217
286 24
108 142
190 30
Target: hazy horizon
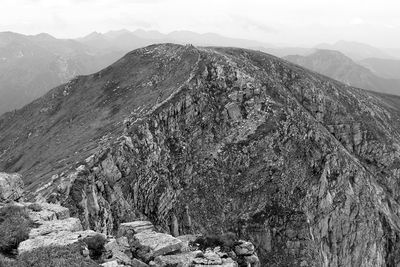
289 23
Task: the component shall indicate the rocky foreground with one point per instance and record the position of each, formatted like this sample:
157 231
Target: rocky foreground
137 243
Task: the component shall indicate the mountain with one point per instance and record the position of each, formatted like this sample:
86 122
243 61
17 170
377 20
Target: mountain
387 68
32 65
355 50
337 66
210 140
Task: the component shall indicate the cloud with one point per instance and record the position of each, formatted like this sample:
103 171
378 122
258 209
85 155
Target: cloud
249 24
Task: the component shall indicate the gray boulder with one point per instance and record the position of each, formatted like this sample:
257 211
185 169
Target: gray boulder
148 245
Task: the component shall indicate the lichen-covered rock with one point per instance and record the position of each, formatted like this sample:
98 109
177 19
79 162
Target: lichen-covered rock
11 187
148 245
54 226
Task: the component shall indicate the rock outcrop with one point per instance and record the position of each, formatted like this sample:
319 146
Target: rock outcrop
53 227
11 187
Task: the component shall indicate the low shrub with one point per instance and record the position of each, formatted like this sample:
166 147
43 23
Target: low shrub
15 226
65 256
95 245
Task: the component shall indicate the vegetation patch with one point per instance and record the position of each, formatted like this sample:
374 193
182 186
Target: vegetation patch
66 256
15 226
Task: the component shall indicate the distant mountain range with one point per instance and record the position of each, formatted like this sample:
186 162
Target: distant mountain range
338 66
355 50
30 65
387 68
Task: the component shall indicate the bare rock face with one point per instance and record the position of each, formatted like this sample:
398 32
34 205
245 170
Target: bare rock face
11 187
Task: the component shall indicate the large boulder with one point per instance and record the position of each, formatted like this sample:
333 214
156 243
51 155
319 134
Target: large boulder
11 187
54 239
148 245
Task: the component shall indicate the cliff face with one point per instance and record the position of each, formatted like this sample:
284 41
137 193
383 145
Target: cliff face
303 166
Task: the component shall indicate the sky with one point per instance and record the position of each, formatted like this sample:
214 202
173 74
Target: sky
283 22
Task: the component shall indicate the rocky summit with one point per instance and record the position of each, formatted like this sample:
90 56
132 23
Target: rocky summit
217 140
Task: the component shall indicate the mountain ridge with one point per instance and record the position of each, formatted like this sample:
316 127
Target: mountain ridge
221 139
336 65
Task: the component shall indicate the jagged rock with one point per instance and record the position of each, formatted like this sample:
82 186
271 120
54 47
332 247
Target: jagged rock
11 187
181 259
148 245
54 239
46 227
244 248
131 228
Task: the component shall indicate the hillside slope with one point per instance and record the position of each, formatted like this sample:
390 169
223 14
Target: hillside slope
32 65
337 66
387 68
216 140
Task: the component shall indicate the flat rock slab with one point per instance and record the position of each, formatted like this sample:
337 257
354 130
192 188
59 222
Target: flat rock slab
54 239
148 245
47 227
181 260
11 186
131 228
